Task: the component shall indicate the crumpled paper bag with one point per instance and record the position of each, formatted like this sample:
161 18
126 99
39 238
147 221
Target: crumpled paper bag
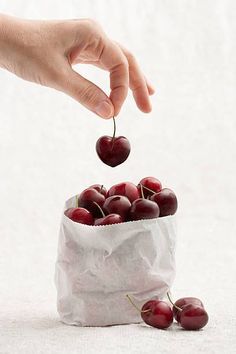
98 265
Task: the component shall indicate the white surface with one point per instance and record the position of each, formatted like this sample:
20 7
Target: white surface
47 154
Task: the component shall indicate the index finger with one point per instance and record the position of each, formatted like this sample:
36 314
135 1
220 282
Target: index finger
114 60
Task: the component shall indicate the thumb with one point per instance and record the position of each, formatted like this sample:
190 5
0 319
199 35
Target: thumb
87 93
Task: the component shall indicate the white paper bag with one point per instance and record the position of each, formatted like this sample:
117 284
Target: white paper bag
98 265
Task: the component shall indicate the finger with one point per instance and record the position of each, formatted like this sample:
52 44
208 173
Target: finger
87 93
114 60
151 89
138 83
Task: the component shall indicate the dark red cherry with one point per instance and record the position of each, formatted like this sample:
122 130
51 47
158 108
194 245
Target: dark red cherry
100 188
113 150
87 199
143 209
127 189
117 204
151 183
157 313
108 220
193 317
166 200
182 302
80 215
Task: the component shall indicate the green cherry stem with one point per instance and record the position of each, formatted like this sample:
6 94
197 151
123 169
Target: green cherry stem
148 189
169 298
102 212
141 189
131 301
76 201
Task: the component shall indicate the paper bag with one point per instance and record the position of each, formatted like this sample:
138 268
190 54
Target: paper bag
98 265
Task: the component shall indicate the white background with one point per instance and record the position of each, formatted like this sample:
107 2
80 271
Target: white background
47 153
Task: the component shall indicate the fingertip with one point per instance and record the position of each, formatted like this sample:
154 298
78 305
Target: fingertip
150 87
146 109
151 91
142 101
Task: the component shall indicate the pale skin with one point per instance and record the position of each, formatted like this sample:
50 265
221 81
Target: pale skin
44 52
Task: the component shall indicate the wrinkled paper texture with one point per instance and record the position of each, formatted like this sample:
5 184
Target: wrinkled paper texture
98 265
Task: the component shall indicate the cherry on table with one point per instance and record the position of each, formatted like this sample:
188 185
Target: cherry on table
159 315
193 317
180 303
113 150
155 313
127 189
80 215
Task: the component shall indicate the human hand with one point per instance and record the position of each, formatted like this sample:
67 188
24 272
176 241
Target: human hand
44 52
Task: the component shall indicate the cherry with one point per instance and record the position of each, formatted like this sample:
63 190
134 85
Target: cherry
180 303
113 150
100 188
155 313
107 219
127 189
159 315
87 199
117 204
143 208
80 215
193 317
151 185
166 200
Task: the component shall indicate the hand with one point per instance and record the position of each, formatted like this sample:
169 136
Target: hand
45 51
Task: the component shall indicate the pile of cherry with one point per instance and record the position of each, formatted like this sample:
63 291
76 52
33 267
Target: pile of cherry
123 202
189 313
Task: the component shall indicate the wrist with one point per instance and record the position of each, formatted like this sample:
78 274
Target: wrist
3 40
8 31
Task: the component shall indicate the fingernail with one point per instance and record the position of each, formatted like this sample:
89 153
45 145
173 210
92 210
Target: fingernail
104 109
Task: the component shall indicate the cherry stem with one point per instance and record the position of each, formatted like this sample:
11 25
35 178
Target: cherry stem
76 201
101 188
114 131
141 188
169 298
131 301
102 212
148 189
